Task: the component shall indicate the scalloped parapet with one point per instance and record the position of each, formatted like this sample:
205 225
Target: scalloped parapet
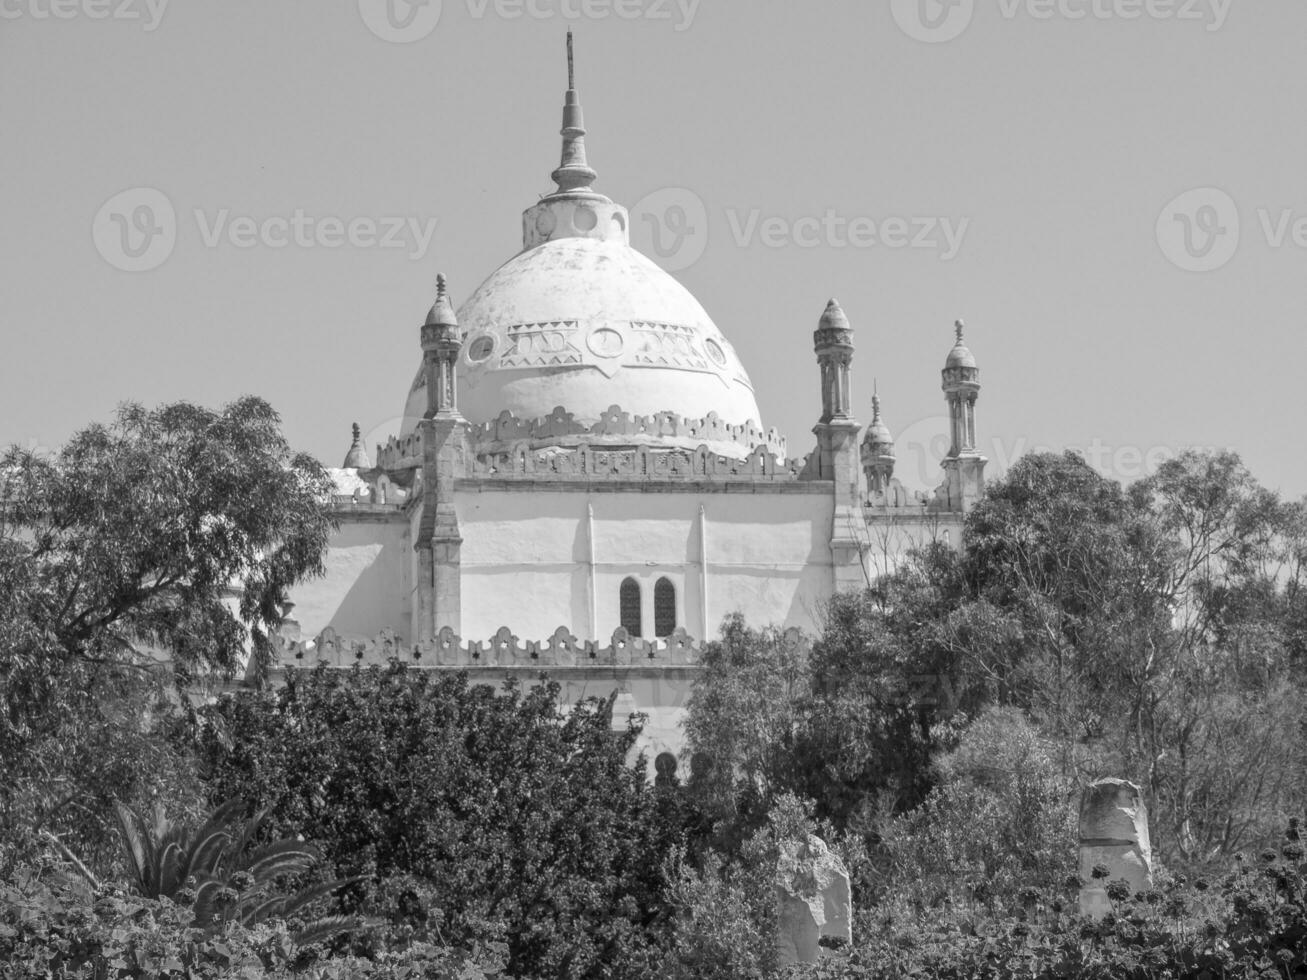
504 649
614 427
587 463
400 453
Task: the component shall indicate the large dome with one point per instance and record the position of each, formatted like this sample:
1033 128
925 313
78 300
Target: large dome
579 320
586 324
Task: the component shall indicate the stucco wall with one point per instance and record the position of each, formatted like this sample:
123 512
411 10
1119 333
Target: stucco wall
889 537
368 582
526 558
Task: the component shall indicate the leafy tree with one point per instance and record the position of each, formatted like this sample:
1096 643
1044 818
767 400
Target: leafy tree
742 719
1217 733
480 816
1070 559
154 548
1002 817
1156 630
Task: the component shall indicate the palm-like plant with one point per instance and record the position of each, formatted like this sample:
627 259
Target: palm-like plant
218 868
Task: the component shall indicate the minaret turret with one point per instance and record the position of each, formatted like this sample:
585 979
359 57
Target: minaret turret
440 346
836 458
961 384
445 458
833 344
964 466
877 451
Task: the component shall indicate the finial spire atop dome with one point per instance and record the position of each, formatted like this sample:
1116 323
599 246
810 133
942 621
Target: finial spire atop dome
573 173
442 311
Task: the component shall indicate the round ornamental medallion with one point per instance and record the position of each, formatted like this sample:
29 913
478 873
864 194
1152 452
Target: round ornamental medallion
715 352
605 342
480 349
546 222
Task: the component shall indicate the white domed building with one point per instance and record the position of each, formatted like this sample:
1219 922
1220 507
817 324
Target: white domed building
583 486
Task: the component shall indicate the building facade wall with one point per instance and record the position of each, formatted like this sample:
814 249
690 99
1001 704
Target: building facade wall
535 559
368 583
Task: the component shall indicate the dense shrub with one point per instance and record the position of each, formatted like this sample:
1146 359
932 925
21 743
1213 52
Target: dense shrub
1001 814
475 815
53 927
1252 922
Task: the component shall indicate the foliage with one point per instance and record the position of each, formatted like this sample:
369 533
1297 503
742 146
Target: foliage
52 926
132 539
484 816
220 871
741 721
725 907
1002 818
1251 922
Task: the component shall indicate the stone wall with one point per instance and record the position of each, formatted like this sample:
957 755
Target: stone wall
1114 844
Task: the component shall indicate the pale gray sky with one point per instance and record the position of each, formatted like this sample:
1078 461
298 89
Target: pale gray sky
1032 149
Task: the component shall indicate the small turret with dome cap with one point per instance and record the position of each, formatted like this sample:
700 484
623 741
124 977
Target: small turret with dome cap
960 355
833 343
440 346
961 384
442 311
877 449
357 457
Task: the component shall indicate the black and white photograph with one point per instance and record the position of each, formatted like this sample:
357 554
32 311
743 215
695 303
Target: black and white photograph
652 490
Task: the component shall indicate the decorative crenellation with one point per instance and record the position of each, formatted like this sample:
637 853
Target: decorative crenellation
400 453
507 429
587 462
504 649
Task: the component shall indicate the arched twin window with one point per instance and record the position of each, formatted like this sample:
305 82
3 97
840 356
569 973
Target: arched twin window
629 600
664 608
630 610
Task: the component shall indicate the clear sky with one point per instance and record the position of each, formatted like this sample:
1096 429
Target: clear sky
1112 193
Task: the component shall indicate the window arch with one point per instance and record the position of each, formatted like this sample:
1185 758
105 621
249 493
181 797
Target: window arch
629 606
664 607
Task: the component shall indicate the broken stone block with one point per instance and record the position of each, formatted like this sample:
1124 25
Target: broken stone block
814 900
1113 834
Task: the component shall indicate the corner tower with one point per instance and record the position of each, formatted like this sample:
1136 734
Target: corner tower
964 466
837 444
445 452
